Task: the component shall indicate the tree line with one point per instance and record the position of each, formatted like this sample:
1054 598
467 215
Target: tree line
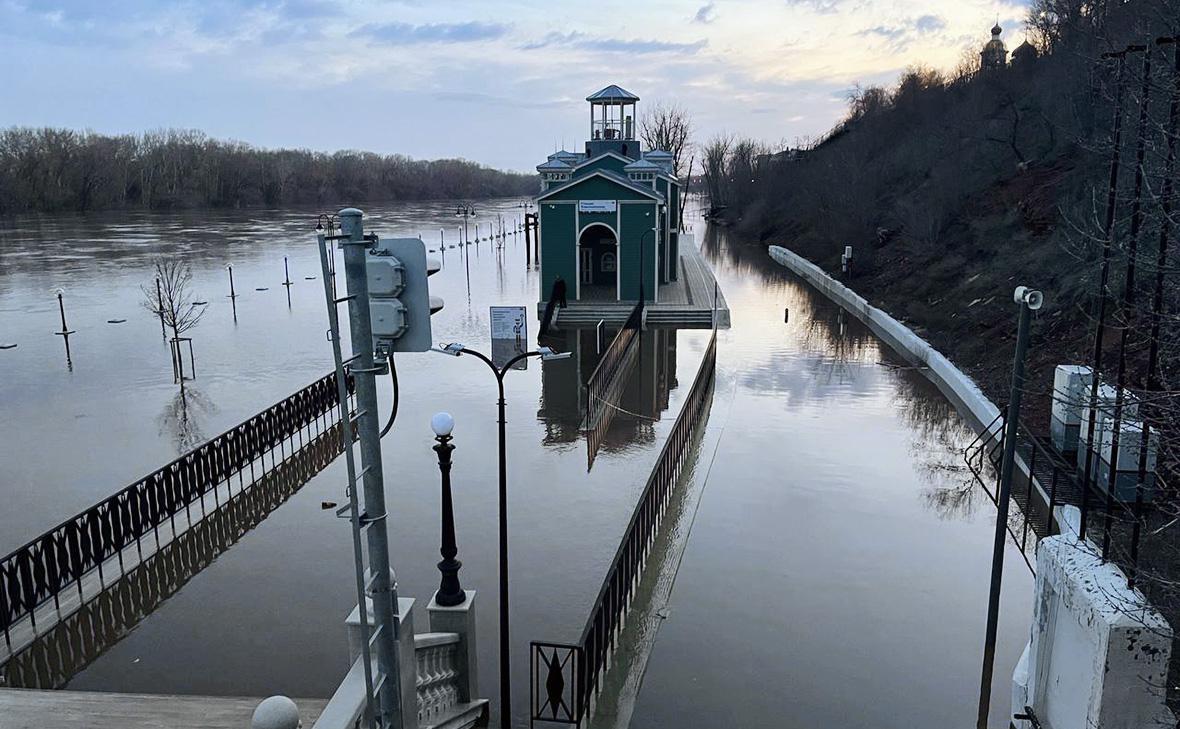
50 170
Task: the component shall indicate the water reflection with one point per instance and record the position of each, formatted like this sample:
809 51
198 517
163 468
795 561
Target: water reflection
839 541
938 437
182 417
72 644
639 399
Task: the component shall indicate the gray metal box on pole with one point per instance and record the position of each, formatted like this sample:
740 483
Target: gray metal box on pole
381 587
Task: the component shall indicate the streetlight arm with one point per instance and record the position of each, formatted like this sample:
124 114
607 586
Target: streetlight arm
483 357
517 358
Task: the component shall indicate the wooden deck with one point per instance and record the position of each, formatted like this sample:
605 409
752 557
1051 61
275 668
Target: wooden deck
684 303
26 709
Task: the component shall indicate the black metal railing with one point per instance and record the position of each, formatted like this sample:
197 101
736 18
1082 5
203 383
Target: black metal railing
56 655
566 677
62 557
1045 479
603 388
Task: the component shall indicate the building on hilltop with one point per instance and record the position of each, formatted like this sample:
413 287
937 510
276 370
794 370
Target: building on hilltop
609 215
994 55
1025 55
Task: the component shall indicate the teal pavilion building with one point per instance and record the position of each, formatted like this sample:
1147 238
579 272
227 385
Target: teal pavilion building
610 214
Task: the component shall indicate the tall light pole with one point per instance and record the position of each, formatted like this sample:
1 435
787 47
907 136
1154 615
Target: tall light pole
1029 301
465 210
547 354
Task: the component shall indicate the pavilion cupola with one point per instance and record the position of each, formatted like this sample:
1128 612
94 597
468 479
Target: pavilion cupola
612 122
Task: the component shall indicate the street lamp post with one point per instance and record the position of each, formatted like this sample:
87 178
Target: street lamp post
465 210
450 592
547 354
1028 300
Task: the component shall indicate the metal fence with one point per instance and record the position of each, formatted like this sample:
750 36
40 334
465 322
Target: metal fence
565 677
1043 479
604 386
56 655
40 571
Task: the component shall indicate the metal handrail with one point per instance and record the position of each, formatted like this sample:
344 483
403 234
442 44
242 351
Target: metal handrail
614 595
38 571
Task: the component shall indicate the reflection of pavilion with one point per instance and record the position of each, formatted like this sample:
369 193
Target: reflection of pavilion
642 395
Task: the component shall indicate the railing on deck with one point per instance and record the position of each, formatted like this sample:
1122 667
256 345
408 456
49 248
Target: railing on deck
565 677
41 570
603 387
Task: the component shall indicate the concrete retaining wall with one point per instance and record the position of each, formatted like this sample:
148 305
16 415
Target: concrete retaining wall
956 386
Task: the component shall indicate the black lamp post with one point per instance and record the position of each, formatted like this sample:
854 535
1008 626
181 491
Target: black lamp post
465 210
455 349
450 592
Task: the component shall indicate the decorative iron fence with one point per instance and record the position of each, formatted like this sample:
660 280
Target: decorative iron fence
603 388
565 677
57 654
41 570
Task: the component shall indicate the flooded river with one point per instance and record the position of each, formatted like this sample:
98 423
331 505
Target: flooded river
836 573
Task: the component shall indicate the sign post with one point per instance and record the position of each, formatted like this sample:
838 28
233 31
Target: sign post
510 335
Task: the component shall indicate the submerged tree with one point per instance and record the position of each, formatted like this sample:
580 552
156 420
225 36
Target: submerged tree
171 298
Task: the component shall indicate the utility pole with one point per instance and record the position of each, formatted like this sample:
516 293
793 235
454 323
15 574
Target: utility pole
381 586
1029 301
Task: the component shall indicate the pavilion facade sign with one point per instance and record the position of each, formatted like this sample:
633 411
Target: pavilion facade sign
597 206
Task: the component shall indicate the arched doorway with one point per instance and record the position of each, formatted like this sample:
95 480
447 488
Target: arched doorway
598 263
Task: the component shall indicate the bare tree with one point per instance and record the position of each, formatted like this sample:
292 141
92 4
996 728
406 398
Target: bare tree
667 126
715 162
171 298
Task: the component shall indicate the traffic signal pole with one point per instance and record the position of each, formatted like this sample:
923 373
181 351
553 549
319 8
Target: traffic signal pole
381 587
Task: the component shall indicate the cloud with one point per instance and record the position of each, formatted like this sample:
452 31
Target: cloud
900 35
582 41
929 24
405 33
893 33
707 14
822 7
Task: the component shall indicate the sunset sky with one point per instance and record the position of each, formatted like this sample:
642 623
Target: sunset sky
501 83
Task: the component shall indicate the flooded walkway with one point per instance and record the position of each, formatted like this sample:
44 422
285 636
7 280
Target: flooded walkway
837 570
835 574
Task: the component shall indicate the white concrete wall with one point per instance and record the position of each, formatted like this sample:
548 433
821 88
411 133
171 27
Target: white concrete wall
956 386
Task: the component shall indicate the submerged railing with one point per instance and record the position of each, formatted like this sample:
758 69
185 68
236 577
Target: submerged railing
565 677
60 652
602 389
67 555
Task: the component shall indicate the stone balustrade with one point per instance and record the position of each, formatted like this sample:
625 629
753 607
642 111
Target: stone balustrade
438 671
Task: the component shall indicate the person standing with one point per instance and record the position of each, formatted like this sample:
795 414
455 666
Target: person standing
559 290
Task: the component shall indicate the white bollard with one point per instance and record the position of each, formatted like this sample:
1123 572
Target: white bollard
276 712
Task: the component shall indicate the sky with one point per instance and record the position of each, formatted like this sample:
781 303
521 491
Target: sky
499 82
